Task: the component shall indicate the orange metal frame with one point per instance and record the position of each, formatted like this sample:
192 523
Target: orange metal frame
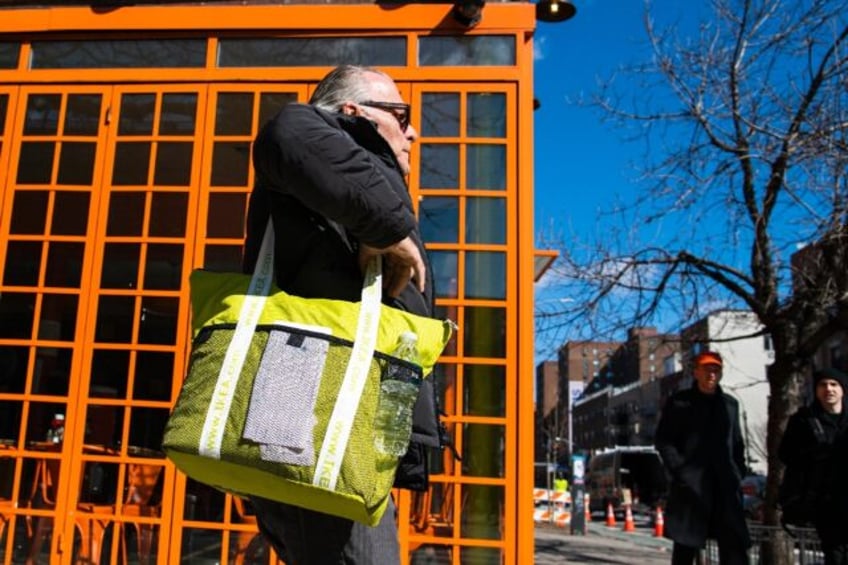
435 521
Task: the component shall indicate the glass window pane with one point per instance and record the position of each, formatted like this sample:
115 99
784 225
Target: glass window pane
482 516
9 53
482 449
120 265
109 371
485 220
485 275
103 425
439 166
137 114
147 427
168 214
58 317
70 213
179 113
222 258
82 116
439 219
163 267
226 215
440 114
234 113
445 272
486 167
39 421
16 315
35 165
132 161
64 264
114 319
23 259
272 102
4 105
312 52
52 373
487 115
29 212
230 163
484 332
76 163
173 163
14 361
466 50
118 54
126 213
11 412
154 374
42 114
158 321
491 555
484 390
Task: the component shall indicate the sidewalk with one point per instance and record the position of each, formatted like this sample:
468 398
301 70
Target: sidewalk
600 545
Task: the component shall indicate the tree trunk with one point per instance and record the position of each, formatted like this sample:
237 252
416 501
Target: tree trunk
784 399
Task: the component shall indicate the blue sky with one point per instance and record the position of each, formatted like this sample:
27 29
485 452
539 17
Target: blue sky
582 164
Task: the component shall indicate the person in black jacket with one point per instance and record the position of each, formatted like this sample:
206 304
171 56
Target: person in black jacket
814 449
331 174
700 442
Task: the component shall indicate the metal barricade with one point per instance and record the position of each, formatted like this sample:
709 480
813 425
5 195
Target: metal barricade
803 543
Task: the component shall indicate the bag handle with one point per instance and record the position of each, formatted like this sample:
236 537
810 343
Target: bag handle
332 451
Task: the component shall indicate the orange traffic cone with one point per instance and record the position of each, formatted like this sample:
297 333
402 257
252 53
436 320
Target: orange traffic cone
587 512
659 523
629 526
610 515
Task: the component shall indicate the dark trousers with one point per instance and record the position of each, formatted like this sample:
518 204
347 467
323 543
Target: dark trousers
304 537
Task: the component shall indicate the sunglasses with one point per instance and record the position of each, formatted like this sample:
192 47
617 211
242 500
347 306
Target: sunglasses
399 110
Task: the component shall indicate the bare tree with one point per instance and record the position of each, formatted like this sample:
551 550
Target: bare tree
746 131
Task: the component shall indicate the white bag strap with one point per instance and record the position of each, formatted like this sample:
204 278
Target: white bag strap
341 421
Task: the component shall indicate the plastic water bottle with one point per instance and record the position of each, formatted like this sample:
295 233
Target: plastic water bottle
398 392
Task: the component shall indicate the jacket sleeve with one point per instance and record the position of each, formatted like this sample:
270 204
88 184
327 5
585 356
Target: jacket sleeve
301 154
738 444
665 440
790 451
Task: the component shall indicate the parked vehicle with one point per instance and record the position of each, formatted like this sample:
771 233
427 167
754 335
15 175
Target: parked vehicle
753 496
639 469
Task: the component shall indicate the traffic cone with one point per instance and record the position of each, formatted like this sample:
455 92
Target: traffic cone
610 515
659 523
629 526
587 512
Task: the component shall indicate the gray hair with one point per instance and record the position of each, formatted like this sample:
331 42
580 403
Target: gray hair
343 84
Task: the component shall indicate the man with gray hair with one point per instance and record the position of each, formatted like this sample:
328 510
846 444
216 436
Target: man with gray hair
331 174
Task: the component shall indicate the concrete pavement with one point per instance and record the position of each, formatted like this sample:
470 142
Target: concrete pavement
601 544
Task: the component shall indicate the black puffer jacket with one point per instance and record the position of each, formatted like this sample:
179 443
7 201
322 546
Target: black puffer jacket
331 181
814 449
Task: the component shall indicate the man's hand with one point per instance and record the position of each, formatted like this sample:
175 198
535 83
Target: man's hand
402 262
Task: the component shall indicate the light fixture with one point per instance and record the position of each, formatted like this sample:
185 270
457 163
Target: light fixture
554 10
468 12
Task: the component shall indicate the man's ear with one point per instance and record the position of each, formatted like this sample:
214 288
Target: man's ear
350 109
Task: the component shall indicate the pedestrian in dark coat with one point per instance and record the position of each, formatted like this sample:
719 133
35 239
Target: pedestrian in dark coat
331 174
700 442
814 449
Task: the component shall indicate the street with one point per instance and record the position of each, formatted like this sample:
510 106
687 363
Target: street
601 544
